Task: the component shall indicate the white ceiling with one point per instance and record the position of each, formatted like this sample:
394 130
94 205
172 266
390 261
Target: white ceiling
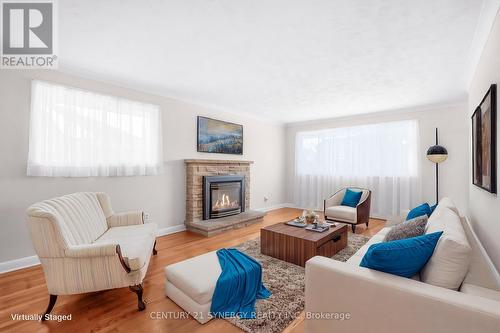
284 60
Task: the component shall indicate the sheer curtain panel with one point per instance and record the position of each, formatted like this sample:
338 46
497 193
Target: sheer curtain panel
381 157
77 133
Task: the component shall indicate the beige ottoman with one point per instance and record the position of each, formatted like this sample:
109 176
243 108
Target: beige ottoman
191 284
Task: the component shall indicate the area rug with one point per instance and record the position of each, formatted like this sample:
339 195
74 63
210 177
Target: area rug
286 282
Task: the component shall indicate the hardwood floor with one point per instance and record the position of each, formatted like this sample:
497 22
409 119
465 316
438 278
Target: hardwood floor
24 291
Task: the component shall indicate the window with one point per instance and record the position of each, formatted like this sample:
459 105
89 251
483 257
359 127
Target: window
385 149
77 133
382 157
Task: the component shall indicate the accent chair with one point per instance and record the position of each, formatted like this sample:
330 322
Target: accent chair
360 214
84 246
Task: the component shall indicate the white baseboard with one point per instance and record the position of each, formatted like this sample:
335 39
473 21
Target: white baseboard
316 209
12 265
273 207
171 230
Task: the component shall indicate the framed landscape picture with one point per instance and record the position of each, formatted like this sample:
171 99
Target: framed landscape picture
484 139
216 136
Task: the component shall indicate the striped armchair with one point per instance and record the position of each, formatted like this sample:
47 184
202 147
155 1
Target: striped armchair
84 246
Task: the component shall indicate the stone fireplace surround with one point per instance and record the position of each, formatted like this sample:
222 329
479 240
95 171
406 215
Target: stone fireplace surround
195 170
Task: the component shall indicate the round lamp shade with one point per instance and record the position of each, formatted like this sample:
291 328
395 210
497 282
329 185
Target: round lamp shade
437 154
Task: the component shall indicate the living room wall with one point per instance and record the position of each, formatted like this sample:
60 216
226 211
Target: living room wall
162 196
452 126
484 207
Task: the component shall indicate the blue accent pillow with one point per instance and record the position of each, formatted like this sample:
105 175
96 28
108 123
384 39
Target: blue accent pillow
423 209
433 207
351 198
404 257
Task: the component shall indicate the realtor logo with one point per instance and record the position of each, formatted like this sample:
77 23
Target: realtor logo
28 34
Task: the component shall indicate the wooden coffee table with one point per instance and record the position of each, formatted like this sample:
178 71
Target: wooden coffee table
297 245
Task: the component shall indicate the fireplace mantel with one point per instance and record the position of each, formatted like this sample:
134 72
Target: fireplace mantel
196 169
205 162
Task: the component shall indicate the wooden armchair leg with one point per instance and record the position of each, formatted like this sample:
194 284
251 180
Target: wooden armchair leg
52 302
353 226
138 290
154 249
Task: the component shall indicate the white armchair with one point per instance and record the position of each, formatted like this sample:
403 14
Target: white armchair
84 246
360 214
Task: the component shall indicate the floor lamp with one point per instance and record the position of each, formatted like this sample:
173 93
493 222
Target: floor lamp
437 154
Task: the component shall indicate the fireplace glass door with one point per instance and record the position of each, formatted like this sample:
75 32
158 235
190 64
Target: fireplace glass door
225 199
223 195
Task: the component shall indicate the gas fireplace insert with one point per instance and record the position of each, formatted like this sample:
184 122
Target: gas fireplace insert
223 196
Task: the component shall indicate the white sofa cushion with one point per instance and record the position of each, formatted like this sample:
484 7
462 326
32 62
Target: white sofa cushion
136 243
196 277
450 262
446 203
472 289
130 231
344 213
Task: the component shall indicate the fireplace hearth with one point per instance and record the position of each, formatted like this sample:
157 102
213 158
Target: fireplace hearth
223 196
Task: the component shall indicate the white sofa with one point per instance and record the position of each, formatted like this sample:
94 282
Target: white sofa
84 246
377 302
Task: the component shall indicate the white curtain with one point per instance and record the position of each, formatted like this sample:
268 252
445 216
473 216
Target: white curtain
77 133
381 157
